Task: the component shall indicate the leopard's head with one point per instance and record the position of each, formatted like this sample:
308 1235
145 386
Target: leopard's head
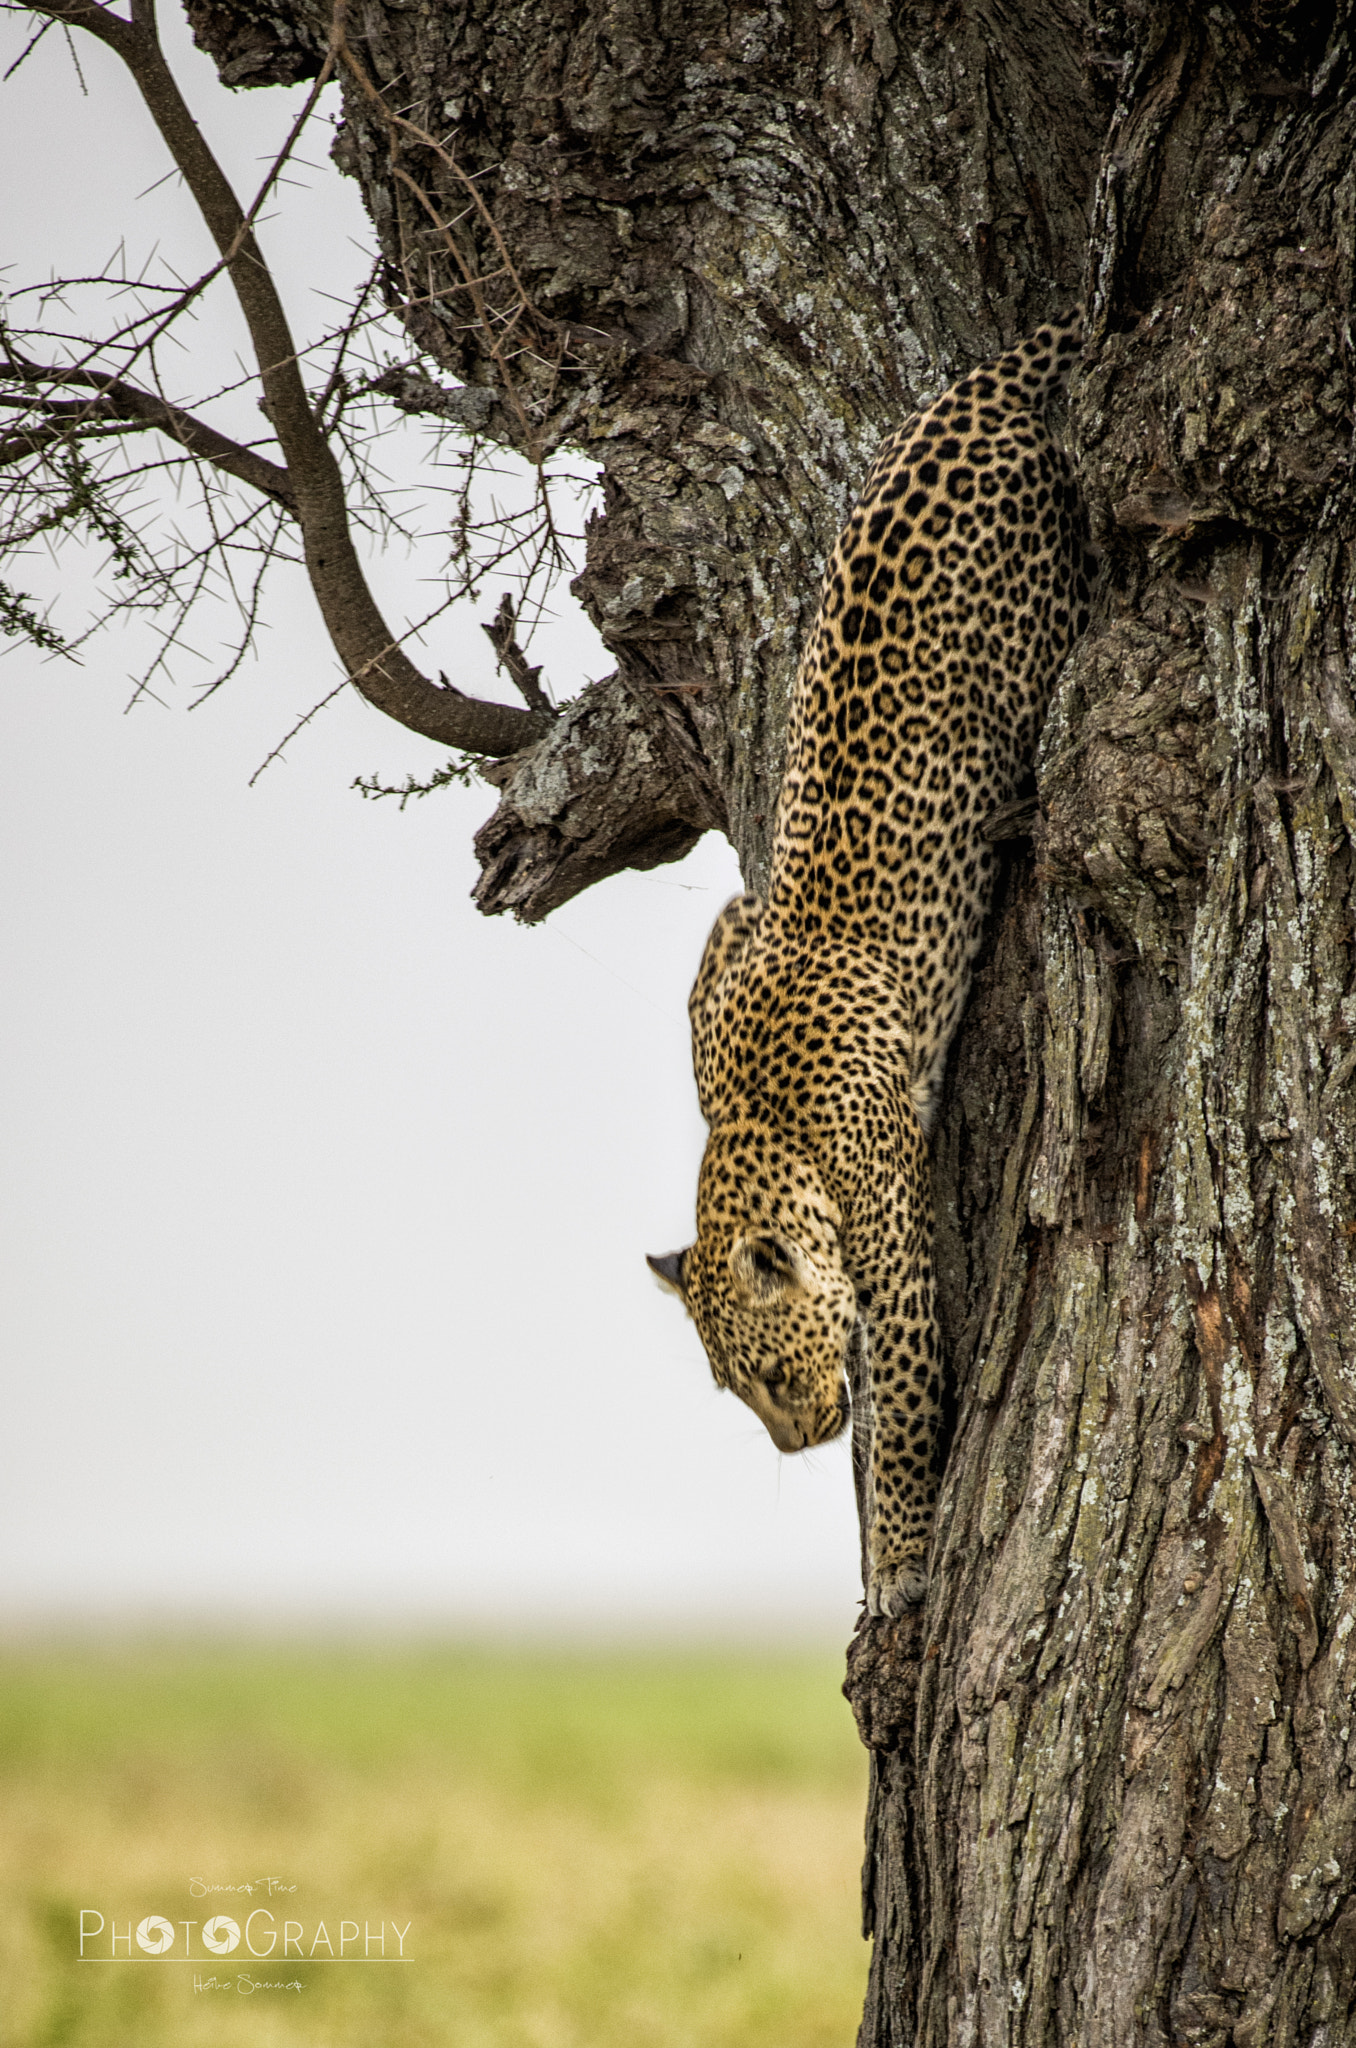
765 1285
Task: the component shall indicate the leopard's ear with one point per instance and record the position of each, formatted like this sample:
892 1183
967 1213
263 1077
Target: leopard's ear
765 1266
668 1271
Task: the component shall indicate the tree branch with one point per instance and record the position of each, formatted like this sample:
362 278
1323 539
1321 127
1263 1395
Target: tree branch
32 440
115 400
375 661
622 783
511 657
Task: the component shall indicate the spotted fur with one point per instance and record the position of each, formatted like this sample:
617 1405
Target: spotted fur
821 1019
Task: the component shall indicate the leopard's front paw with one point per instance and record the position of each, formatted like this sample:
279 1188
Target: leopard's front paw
892 1587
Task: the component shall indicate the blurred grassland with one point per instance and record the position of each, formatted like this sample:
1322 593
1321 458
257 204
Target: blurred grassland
656 1849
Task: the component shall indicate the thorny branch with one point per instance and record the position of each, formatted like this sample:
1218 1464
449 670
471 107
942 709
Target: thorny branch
308 488
114 400
498 329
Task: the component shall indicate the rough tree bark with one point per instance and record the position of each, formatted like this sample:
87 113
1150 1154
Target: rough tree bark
1112 1801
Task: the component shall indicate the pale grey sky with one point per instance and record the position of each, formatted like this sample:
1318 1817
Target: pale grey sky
324 1199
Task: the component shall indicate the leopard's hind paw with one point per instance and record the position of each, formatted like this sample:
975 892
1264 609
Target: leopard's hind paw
895 1587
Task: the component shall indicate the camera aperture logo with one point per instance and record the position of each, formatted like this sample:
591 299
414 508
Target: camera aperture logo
263 1932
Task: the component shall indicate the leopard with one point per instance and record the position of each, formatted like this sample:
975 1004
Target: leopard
824 1009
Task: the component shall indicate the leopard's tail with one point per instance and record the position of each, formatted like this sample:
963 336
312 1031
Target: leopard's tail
1039 366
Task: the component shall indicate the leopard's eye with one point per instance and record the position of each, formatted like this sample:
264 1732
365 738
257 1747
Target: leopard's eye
775 1378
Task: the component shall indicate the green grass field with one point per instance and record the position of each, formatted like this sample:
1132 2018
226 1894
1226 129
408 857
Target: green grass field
652 1850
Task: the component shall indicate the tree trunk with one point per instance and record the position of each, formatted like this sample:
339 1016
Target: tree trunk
1111 1799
